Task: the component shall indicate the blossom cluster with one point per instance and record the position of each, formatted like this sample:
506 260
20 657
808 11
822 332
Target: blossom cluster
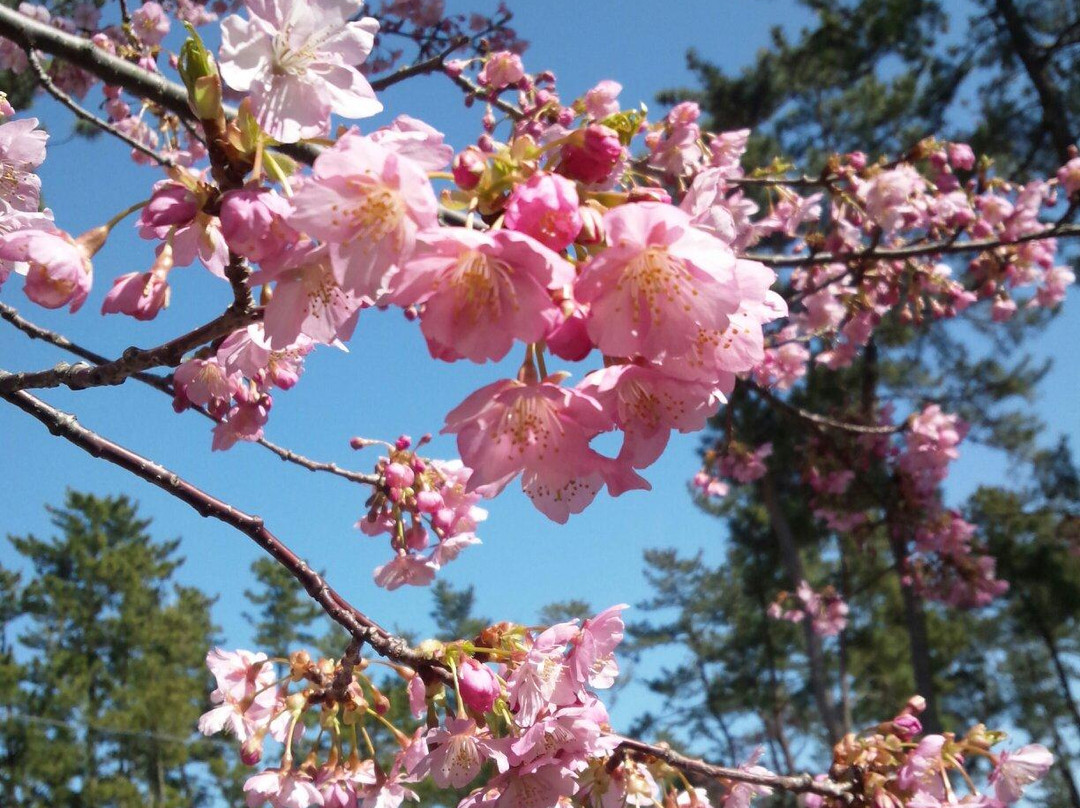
519 722
416 500
826 611
519 699
901 768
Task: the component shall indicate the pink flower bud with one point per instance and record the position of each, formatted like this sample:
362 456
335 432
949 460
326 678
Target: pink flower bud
915 705
251 749
429 501
478 686
253 223
961 156
569 338
399 475
591 154
907 726
468 168
170 204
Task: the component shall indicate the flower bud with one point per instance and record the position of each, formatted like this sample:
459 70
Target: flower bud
591 154
478 686
468 168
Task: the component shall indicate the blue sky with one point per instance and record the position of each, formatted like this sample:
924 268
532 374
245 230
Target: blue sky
386 384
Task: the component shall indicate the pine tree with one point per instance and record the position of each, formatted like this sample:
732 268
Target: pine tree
104 709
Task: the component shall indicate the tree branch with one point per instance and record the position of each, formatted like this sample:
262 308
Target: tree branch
429 65
824 420
912 250
133 361
86 115
163 385
795 783
359 625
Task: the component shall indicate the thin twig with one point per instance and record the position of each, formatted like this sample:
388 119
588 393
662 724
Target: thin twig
163 385
475 90
85 114
824 420
430 65
795 783
948 246
359 625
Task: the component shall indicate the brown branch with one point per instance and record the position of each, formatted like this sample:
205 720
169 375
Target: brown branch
163 385
824 420
430 65
69 102
359 625
911 251
1036 65
133 361
795 783
477 91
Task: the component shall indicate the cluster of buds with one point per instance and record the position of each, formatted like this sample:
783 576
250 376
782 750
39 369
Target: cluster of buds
425 507
896 765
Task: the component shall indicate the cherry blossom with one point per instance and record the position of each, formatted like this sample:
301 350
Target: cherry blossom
298 60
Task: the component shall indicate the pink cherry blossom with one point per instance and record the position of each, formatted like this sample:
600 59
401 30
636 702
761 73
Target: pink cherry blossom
480 291
591 658
923 769
457 753
540 429
419 141
602 100
282 788
308 300
501 69
368 203
59 273
658 282
138 294
150 23
298 60
22 150
1017 770
204 381
647 404
405 569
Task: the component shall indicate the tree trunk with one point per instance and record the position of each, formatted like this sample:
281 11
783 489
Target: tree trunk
789 554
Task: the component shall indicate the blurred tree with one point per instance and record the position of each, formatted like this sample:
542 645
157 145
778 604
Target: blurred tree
102 708
879 75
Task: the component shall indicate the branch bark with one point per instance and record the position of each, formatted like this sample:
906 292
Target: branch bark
360 626
133 361
795 783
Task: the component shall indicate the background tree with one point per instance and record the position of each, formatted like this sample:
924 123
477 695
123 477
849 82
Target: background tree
111 680
877 77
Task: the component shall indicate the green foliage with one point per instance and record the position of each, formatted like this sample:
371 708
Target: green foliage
878 75
109 685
